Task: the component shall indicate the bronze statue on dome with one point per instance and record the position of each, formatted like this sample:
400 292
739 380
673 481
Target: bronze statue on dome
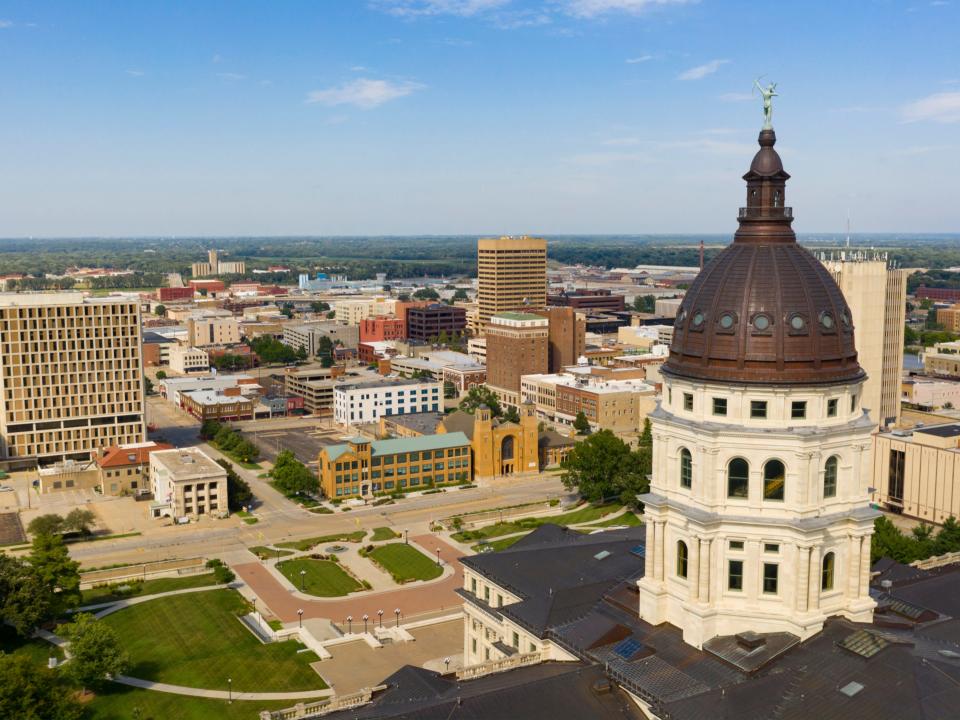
767 93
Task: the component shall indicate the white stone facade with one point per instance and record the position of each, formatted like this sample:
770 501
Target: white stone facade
758 514
368 402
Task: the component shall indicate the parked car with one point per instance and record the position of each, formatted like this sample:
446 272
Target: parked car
6 488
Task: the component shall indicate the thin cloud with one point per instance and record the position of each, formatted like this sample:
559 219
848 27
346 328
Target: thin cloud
232 77
6 24
640 59
701 71
416 8
941 107
595 8
363 93
135 73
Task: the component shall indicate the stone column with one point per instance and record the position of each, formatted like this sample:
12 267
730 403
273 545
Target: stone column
864 566
803 575
814 583
658 550
693 568
853 565
705 570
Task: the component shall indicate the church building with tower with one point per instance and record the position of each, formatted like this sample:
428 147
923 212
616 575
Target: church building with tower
758 515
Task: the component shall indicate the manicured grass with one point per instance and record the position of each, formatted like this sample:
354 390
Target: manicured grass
117 702
383 533
323 578
584 514
308 543
197 640
628 519
501 544
34 648
405 563
263 552
148 587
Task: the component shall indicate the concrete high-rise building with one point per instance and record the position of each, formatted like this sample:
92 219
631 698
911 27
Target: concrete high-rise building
71 377
512 275
517 345
213 331
567 339
876 294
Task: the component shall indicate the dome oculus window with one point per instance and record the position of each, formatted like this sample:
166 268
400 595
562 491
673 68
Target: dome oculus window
845 318
826 321
798 324
698 318
761 323
727 321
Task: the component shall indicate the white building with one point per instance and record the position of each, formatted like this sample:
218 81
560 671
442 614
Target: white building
187 482
188 360
369 401
758 515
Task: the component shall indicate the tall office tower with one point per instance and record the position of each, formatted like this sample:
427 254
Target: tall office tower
71 377
214 259
516 346
512 275
566 340
758 517
877 296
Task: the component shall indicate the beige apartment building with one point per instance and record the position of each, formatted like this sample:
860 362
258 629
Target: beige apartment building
212 331
949 318
188 360
512 275
517 345
186 482
917 472
877 296
943 360
71 377
353 312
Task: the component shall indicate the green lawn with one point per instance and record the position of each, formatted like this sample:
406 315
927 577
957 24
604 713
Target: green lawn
628 518
405 563
383 533
148 587
583 514
196 640
323 578
501 544
34 648
117 702
263 552
311 542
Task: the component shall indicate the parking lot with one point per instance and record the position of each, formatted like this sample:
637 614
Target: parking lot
304 442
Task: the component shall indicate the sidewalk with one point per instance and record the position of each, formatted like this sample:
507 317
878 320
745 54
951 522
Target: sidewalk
220 694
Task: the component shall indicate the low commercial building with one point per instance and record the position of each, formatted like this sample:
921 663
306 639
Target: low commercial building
943 360
380 328
352 312
366 402
477 349
365 468
173 389
174 294
917 472
667 307
308 335
222 405
187 483
156 349
619 405
208 288
584 299
125 469
464 376
315 386
213 331
409 425
931 393
188 360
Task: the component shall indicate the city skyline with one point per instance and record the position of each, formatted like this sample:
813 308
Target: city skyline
471 116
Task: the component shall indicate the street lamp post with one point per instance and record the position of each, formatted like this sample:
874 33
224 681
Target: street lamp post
303 580
365 618
406 537
230 690
380 614
397 613
438 557
300 616
446 662
349 624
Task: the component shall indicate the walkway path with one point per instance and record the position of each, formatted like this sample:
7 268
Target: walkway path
221 694
108 608
411 600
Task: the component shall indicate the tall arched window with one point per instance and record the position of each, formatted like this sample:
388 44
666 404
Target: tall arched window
681 559
738 478
774 480
686 468
826 573
830 477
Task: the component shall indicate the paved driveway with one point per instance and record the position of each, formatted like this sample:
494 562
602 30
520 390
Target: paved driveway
413 600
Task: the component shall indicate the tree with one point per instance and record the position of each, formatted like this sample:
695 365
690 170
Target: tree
239 493
603 466
160 311
209 429
318 306
49 524
581 424
910 336
95 652
645 303
60 575
226 438
403 297
426 293
161 374
481 395
511 414
24 599
325 351
147 386
246 451
29 691
460 294
79 520
301 353
292 477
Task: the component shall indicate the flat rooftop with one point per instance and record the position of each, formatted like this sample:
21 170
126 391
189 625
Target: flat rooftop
187 463
58 298
944 431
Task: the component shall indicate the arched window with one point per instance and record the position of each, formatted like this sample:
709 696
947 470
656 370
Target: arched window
681 559
506 448
774 480
686 468
738 478
830 477
826 573
776 199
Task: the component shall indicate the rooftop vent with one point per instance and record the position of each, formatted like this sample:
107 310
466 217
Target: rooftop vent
851 689
601 687
750 640
601 555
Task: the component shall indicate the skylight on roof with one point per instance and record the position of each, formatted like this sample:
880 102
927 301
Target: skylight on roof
851 689
601 555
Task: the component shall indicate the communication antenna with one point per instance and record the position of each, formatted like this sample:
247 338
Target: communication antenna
848 227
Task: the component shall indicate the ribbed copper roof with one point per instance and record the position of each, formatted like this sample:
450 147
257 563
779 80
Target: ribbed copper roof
764 310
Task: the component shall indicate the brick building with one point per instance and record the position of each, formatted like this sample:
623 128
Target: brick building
425 323
588 300
517 345
381 327
174 294
566 340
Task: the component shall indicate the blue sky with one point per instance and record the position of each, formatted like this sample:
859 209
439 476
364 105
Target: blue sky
471 116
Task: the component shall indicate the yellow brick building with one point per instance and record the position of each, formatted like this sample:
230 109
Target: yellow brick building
499 448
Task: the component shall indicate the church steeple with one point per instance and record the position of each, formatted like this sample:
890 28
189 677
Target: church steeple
765 218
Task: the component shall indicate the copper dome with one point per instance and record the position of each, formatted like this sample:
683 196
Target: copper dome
764 310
